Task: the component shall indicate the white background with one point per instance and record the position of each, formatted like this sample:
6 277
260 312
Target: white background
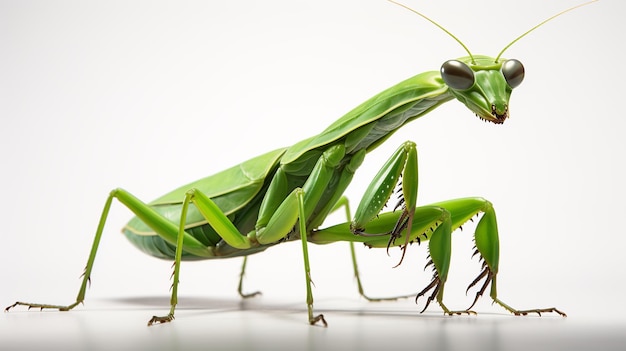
149 95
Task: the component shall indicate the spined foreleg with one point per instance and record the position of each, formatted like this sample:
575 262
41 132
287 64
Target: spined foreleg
487 247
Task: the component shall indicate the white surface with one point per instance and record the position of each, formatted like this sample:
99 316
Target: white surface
262 324
150 95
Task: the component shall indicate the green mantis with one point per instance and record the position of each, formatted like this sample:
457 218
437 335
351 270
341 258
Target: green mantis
286 194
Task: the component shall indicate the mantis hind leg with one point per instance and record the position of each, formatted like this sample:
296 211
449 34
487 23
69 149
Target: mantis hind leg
166 229
161 225
87 273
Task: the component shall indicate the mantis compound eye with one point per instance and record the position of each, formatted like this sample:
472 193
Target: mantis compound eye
457 75
513 72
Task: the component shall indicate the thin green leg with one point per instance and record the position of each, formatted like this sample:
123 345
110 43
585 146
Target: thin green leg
86 275
226 230
240 286
163 227
343 202
307 268
357 276
177 260
539 311
279 225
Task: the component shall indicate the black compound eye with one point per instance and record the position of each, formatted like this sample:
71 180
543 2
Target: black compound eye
513 72
457 75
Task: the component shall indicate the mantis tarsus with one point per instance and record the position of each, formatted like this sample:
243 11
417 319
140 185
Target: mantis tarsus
286 194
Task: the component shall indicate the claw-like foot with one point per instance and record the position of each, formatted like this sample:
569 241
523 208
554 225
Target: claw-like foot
318 318
458 313
160 320
538 311
435 284
490 278
41 306
486 272
240 286
249 295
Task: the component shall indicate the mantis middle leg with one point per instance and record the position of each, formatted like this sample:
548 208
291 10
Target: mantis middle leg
278 215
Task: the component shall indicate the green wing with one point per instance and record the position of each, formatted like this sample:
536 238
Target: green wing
235 187
231 190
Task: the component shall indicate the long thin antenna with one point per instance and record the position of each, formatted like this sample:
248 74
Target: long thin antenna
539 25
438 25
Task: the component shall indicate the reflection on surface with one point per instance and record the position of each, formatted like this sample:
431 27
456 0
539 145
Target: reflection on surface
231 323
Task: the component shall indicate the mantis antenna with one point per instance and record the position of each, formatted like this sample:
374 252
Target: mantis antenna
506 47
438 25
539 25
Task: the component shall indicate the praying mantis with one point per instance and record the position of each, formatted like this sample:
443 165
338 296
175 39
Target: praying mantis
286 194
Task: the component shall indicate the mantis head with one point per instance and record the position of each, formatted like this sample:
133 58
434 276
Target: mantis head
483 84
